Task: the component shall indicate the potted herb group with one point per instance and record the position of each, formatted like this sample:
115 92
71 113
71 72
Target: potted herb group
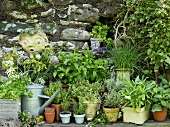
49 91
137 95
113 100
90 93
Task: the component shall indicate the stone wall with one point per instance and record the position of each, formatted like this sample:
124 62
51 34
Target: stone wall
62 20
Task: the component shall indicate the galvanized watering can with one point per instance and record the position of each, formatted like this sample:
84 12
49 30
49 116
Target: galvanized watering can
38 102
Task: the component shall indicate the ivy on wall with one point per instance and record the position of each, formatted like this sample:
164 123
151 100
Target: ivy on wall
146 23
32 3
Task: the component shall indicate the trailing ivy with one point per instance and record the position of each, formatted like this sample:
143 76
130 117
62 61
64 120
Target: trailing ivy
32 3
147 23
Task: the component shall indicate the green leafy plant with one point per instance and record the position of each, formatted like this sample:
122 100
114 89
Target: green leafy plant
66 101
160 95
27 119
87 91
49 91
100 119
13 86
137 93
40 67
32 3
113 97
125 56
79 107
100 31
78 66
149 30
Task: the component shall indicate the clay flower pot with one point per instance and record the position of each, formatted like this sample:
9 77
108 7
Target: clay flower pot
160 115
49 114
49 109
57 111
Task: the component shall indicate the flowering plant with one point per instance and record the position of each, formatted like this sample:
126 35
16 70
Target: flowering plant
40 66
22 70
13 86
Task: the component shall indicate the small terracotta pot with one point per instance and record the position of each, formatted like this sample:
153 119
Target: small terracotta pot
49 116
49 109
160 115
57 111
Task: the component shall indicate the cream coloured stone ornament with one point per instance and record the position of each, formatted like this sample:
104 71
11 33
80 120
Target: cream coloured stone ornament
34 43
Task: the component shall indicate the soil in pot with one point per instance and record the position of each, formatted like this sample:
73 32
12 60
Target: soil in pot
160 115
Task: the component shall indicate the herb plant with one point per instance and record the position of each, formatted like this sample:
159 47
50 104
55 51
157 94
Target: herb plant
100 31
66 101
137 93
113 97
50 90
86 90
79 107
78 66
125 56
160 95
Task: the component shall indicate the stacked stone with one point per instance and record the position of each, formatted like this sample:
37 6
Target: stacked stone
66 22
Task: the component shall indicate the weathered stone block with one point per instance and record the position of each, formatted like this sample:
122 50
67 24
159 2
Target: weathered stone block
9 108
75 34
85 13
62 2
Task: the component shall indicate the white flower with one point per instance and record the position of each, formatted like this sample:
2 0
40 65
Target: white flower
38 56
20 53
10 71
41 81
128 97
8 63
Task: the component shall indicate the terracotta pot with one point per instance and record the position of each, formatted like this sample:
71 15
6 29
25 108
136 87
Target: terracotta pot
57 111
160 115
49 116
49 110
65 87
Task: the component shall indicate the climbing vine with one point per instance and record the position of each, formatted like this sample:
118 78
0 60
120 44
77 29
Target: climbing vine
32 3
147 24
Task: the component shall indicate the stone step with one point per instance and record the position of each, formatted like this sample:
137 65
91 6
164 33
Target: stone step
149 123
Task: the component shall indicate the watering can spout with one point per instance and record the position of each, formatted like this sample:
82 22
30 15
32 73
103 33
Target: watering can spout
48 102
